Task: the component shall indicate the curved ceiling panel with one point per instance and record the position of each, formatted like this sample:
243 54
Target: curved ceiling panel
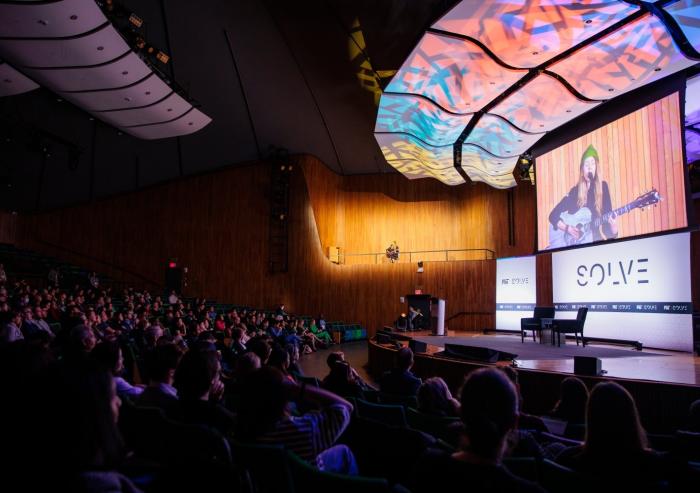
526 34
13 82
49 19
415 159
493 170
192 121
687 15
454 73
92 49
500 138
630 57
148 91
542 105
71 48
125 71
502 181
420 117
167 109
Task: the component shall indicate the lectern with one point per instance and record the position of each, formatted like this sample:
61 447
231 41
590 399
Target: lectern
431 313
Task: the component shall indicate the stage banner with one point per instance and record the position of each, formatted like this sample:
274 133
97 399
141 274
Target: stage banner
516 291
635 290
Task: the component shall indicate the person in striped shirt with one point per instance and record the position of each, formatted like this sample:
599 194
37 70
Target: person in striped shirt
265 417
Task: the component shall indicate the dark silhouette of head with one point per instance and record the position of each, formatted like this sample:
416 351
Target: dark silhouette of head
489 411
404 358
612 422
263 401
195 374
573 396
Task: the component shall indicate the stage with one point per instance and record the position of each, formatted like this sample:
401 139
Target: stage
618 361
663 383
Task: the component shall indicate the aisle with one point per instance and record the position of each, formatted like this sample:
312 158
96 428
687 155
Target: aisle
314 364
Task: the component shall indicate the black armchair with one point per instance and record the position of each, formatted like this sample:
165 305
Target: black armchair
568 326
534 323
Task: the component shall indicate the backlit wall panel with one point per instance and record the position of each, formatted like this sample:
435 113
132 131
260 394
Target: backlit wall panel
635 291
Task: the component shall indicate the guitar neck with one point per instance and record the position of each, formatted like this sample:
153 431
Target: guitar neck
617 212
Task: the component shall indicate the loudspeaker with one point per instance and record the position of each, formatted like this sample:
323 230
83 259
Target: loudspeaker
418 346
477 353
587 365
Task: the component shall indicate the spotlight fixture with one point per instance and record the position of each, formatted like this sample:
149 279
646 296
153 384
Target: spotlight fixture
524 167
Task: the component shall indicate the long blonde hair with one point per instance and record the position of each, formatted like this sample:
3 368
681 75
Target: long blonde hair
597 183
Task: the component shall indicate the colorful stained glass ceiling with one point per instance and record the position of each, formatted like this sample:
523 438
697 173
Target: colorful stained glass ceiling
491 77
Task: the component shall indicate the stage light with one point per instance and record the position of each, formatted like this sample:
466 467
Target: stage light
162 57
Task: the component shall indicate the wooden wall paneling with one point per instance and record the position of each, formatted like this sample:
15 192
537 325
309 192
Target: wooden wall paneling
8 227
544 279
216 225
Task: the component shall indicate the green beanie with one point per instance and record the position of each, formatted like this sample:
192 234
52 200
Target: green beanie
590 152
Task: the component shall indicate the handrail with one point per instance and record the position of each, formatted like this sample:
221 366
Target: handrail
99 261
422 255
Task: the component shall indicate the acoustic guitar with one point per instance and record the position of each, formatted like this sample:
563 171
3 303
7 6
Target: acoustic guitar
582 221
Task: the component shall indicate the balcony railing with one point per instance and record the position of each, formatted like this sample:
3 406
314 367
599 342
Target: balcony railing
417 256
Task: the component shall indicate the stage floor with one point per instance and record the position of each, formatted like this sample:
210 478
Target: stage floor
617 361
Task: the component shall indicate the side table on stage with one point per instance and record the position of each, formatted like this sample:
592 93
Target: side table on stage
546 332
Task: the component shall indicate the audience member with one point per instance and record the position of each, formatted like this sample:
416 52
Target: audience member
400 380
200 389
161 364
434 398
108 356
615 449
489 411
264 417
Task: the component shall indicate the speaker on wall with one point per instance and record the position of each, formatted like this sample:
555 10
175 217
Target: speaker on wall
418 346
587 365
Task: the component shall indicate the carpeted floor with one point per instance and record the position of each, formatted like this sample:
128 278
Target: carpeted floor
530 350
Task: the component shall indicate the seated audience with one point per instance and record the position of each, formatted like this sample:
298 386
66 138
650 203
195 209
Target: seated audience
489 411
108 356
434 398
264 417
400 380
161 364
615 450
200 389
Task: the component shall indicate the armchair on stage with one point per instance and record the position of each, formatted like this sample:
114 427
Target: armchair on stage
534 323
567 326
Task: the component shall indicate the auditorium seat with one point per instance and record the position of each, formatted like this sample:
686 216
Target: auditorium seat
400 400
441 427
559 479
267 466
389 414
308 478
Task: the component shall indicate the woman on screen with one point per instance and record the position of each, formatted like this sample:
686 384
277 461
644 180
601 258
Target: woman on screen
585 214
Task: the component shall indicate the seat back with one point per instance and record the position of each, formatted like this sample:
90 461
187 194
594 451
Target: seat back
544 312
441 427
267 466
399 400
309 478
581 316
391 415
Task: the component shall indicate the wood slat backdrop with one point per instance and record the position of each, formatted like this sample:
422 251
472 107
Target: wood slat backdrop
638 152
216 225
